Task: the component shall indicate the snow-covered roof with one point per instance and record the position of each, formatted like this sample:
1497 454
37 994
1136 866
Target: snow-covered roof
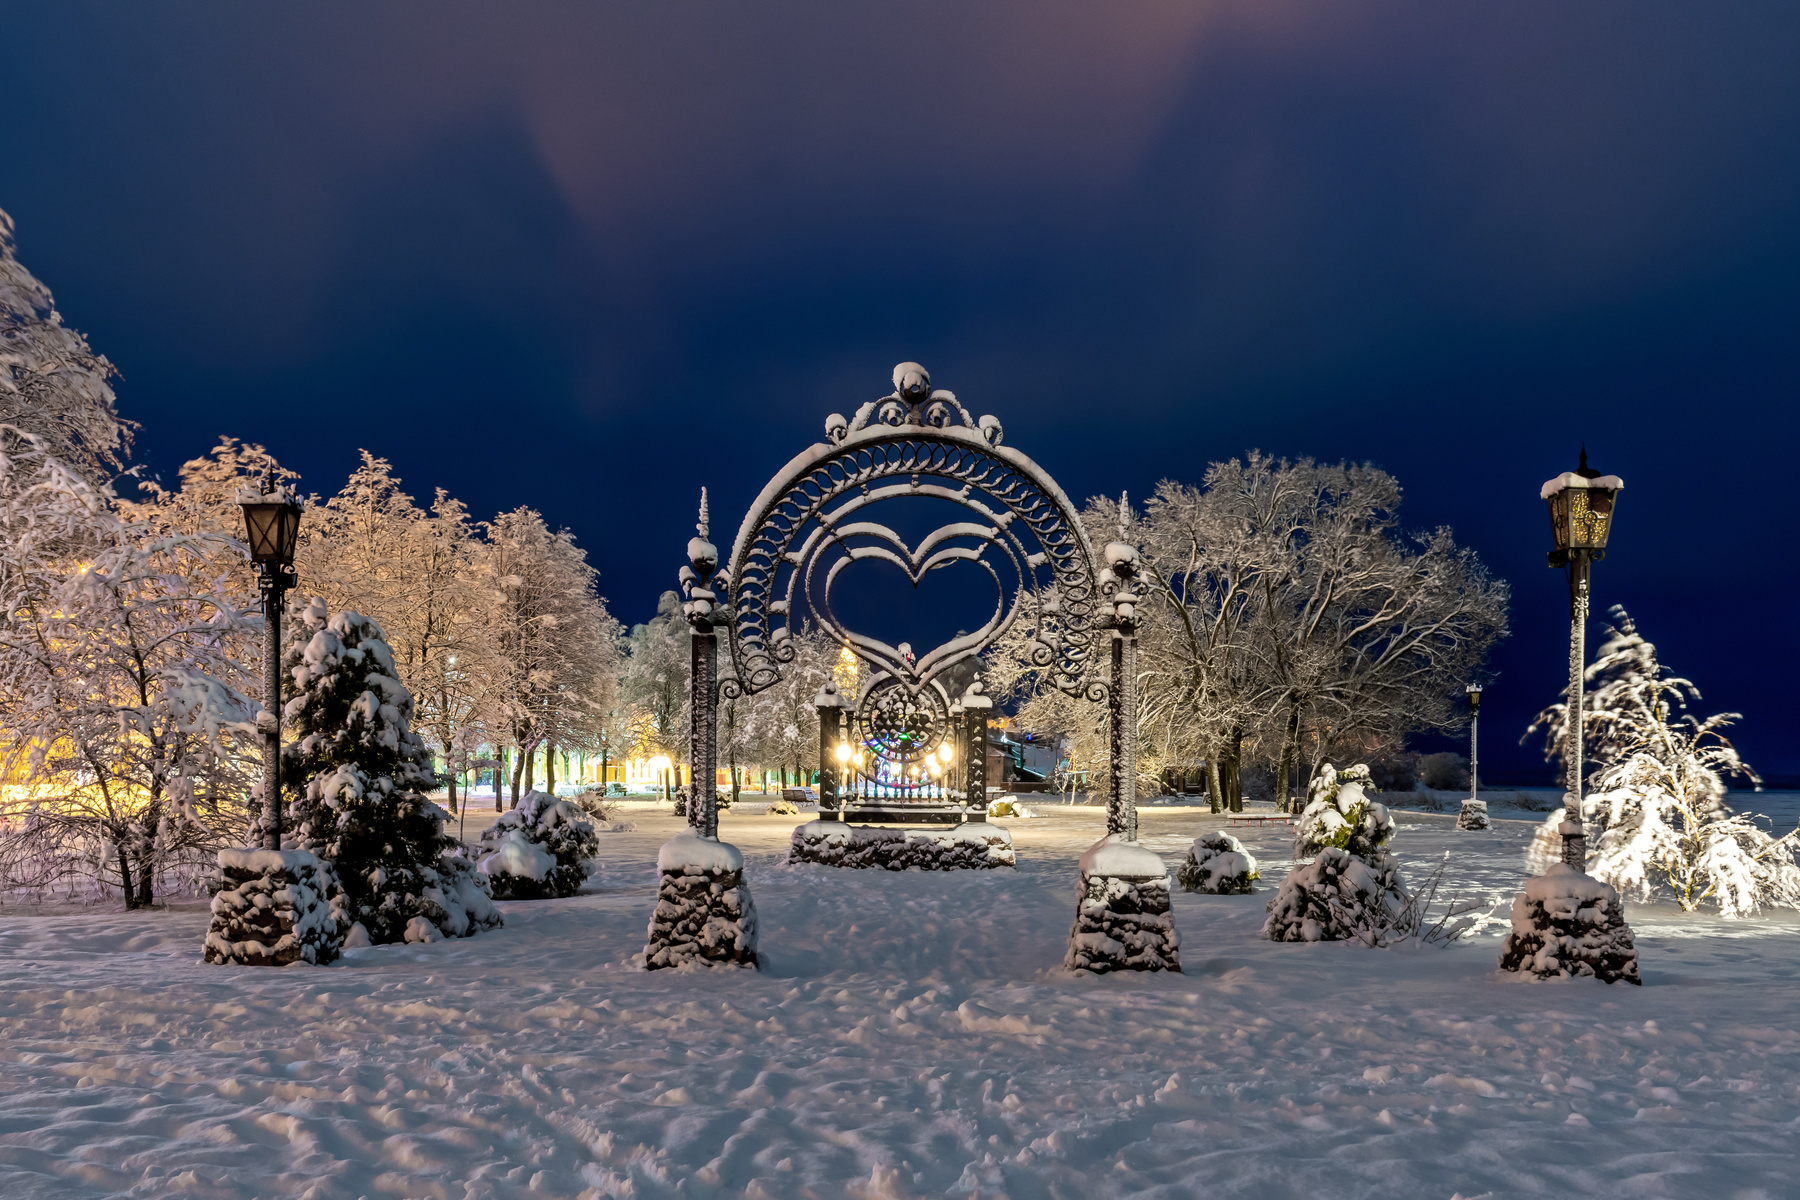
1569 479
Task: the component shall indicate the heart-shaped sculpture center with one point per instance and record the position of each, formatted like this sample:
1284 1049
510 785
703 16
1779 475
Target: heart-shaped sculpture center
911 612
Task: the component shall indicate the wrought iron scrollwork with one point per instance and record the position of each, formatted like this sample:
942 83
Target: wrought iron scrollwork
812 522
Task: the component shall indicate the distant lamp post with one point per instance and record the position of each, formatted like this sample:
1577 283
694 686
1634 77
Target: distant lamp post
1474 690
272 529
1582 503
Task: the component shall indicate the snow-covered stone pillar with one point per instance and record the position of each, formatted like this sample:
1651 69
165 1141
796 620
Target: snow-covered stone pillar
704 914
1123 920
977 707
830 707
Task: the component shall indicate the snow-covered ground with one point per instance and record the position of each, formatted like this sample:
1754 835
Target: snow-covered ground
910 1035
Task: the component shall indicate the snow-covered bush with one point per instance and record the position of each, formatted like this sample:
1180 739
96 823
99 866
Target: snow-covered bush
1218 864
1340 816
363 777
1659 794
1351 888
784 808
1337 897
542 849
1008 808
594 803
1566 924
973 846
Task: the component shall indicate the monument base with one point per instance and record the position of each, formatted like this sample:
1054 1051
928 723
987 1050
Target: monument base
704 915
1122 917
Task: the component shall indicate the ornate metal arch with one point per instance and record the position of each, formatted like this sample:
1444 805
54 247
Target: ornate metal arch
804 530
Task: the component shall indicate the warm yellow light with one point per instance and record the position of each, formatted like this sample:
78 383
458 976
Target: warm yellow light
843 752
944 752
659 763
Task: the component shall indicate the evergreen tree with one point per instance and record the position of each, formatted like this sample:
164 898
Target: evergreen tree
362 776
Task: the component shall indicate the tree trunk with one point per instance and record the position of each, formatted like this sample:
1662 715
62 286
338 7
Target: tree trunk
146 881
1290 752
550 767
499 778
603 771
1235 788
125 880
734 777
1213 786
530 761
521 764
450 786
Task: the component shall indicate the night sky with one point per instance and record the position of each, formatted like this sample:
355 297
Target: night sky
590 257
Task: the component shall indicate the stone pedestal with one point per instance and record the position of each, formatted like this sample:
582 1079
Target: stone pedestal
1567 923
1122 917
1474 815
275 907
976 846
704 915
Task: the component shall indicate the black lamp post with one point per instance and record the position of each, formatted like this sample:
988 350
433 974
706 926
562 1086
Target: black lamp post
1582 502
272 529
1474 690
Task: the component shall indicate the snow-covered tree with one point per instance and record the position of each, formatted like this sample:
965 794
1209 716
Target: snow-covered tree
1659 791
51 384
127 743
1352 887
361 777
553 666
540 850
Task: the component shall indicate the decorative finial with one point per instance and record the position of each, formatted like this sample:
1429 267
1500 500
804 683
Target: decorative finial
702 526
1124 508
268 480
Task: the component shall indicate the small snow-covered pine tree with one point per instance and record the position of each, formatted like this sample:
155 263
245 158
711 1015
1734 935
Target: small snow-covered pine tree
1352 887
362 776
540 850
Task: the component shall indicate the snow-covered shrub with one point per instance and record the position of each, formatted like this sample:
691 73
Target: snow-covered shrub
1337 897
1007 807
1218 864
364 776
1351 888
544 848
594 803
1659 794
784 808
704 914
1340 816
1566 924
274 908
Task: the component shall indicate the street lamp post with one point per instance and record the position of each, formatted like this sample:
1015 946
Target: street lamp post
1474 690
272 529
1582 503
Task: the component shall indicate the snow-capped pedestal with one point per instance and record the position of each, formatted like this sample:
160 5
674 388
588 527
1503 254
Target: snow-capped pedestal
704 915
544 848
1337 897
976 846
1122 917
1218 865
1474 815
276 907
1567 923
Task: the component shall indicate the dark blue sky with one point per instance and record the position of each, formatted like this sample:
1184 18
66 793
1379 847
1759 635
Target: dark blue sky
590 257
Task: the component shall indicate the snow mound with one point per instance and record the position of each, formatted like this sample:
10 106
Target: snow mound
1337 897
275 907
542 849
1566 924
972 846
1217 864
